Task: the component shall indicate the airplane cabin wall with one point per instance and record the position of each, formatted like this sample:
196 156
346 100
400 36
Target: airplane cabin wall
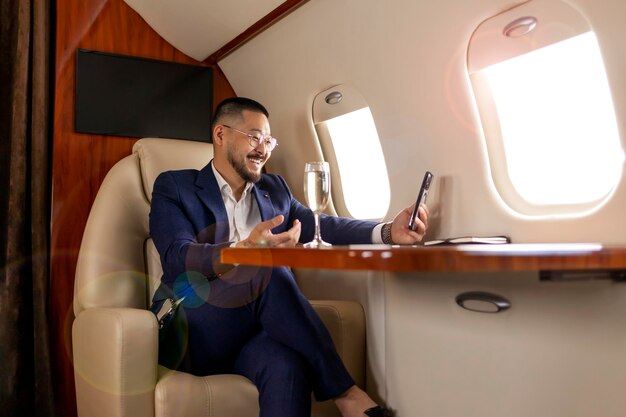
408 59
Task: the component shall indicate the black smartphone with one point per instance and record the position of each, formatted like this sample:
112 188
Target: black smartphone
421 197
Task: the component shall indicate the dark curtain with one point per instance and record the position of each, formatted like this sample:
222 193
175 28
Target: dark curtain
25 139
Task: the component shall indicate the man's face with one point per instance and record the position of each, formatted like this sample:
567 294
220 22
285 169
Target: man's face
246 160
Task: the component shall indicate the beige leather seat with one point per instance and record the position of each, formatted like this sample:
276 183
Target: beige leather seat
115 336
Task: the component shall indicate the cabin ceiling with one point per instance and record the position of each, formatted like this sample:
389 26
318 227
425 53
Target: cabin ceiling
198 28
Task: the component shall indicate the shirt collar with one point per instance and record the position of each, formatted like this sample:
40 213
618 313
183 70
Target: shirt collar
224 187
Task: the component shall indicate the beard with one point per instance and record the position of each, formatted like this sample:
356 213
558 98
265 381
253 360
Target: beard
241 168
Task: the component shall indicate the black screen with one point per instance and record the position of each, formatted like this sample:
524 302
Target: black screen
129 96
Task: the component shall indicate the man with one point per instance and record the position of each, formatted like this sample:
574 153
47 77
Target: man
249 320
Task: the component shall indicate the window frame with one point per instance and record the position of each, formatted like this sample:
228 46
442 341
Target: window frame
488 46
351 100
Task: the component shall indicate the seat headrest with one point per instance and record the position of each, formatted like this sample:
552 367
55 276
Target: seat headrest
158 155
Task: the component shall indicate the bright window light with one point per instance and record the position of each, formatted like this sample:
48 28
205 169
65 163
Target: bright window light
557 121
361 164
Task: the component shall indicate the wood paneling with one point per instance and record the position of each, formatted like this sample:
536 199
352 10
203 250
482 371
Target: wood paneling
474 258
80 161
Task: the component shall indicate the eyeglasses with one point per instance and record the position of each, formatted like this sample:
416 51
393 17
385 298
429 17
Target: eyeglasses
270 142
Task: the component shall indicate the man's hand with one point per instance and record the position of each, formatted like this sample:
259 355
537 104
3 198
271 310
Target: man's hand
400 232
262 236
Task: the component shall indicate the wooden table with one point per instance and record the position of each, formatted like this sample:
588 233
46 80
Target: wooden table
460 258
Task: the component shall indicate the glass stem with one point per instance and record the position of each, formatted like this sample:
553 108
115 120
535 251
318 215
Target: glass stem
318 236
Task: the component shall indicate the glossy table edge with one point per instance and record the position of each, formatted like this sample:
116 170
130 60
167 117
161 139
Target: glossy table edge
461 258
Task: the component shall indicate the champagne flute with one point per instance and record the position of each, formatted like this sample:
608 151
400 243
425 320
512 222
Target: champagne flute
317 193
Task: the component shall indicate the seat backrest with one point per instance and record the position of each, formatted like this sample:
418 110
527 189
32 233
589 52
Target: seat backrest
117 263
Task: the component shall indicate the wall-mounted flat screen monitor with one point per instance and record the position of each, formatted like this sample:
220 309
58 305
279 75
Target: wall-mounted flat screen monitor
129 96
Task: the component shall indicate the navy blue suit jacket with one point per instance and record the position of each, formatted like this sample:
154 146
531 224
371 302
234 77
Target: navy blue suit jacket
189 224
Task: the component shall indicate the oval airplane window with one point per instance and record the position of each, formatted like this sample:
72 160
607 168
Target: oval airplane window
546 110
350 143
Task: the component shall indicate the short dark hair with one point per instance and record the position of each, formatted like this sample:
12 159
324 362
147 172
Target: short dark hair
235 106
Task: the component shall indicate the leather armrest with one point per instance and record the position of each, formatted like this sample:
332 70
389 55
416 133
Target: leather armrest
115 362
345 321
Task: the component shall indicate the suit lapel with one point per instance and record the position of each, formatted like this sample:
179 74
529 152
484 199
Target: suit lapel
265 202
210 195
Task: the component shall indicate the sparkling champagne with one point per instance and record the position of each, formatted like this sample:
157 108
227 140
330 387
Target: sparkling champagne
317 190
317 193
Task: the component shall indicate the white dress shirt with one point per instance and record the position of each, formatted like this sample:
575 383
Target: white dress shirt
244 215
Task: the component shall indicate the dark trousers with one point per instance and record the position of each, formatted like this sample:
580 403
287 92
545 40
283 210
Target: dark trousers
255 322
